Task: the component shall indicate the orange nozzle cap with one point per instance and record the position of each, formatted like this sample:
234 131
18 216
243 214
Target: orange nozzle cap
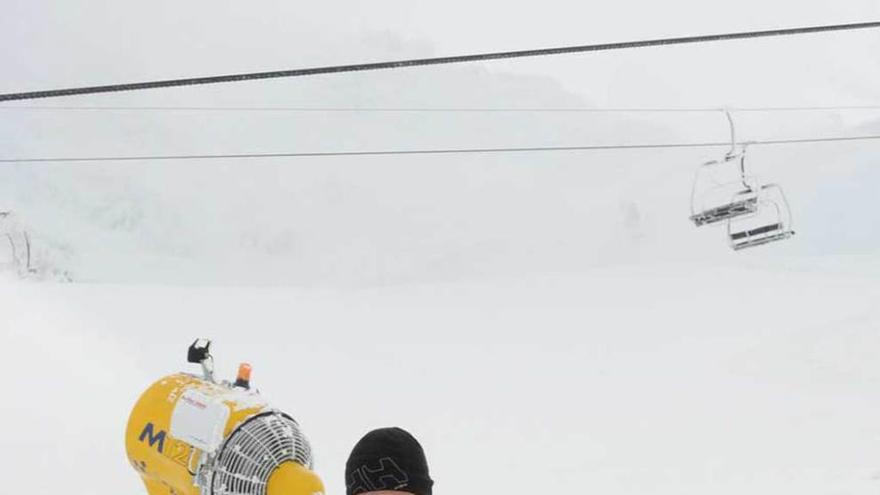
244 375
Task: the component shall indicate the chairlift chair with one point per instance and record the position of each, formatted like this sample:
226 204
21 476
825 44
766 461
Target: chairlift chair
770 223
713 201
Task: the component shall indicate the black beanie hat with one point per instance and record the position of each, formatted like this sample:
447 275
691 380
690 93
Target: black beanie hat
387 459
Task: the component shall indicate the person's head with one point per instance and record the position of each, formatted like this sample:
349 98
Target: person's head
387 461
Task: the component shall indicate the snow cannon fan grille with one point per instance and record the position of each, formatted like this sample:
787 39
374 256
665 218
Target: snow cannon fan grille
253 451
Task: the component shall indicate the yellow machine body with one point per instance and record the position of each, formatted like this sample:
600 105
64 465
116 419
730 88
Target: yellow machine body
169 465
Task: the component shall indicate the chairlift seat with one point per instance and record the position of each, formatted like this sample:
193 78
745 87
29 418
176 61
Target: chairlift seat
759 236
726 212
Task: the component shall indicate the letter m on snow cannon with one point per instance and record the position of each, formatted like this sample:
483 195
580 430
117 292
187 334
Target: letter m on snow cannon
153 438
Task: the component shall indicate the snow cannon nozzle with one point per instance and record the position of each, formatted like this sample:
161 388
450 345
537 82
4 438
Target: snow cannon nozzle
200 353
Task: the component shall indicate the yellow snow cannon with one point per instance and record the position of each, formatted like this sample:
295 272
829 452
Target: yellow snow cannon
189 435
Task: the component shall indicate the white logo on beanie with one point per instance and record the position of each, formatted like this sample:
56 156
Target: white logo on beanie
387 476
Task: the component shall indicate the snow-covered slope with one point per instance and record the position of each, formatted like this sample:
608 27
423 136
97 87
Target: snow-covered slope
671 379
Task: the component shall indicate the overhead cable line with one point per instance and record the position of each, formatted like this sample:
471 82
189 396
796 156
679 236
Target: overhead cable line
442 109
112 88
436 151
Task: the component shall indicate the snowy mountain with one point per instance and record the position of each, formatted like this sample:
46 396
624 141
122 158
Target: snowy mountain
378 220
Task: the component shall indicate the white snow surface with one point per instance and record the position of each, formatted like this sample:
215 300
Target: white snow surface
662 379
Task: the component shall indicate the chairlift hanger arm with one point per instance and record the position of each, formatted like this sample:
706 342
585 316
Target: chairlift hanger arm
732 151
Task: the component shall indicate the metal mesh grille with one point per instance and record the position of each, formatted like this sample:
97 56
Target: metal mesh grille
252 452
